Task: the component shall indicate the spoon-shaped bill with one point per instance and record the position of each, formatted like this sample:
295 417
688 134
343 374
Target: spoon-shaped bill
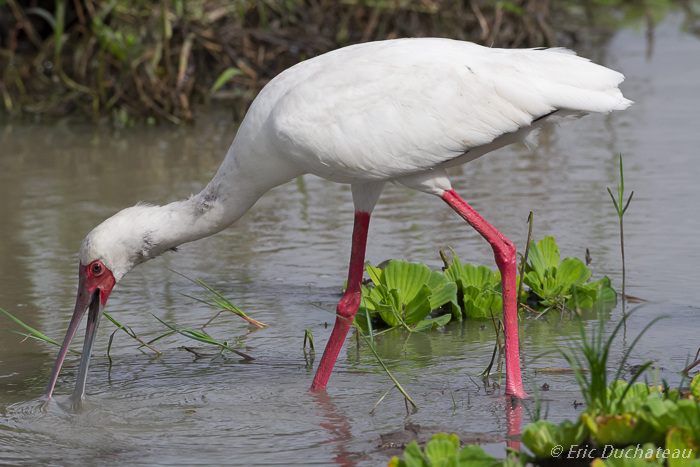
93 321
95 284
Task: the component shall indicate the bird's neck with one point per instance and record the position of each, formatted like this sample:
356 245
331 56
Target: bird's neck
250 169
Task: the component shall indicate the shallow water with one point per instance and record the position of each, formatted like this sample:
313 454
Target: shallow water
290 253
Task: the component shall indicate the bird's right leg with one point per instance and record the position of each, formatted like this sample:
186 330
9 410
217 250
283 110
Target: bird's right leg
365 197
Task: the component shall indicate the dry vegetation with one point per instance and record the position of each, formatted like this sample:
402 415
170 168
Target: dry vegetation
160 60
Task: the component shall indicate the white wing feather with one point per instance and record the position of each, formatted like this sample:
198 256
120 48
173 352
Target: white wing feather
389 109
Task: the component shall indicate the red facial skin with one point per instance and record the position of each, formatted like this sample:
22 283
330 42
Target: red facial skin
91 278
96 275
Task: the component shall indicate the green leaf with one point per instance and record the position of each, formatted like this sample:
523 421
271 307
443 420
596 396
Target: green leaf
407 277
534 281
446 293
441 449
476 276
617 208
571 272
618 430
31 330
428 324
537 261
479 302
396 462
539 437
678 441
367 300
609 294
436 280
571 434
200 337
695 387
414 456
393 299
375 274
550 252
418 308
474 456
224 78
454 272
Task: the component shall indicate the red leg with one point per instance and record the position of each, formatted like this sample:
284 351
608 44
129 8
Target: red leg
504 251
347 308
514 419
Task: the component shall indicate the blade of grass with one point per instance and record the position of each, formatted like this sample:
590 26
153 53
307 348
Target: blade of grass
227 306
454 403
219 301
527 252
370 343
129 332
381 399
308 336
201 337
386 370
32 336
169 333
109 345
31 330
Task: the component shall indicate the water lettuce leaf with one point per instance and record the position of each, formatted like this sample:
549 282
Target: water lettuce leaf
543 436
406 293
479 288
552 280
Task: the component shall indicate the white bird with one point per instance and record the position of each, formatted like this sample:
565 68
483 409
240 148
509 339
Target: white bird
402 111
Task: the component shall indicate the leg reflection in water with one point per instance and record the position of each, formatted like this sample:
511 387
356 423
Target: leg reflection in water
340 429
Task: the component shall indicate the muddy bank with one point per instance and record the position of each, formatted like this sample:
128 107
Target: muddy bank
165 61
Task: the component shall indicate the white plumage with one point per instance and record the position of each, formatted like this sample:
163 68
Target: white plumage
385 110
401 111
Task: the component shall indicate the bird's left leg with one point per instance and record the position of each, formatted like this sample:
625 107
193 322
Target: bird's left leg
504 252
365 197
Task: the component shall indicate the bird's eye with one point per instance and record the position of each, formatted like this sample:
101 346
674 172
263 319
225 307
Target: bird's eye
97 268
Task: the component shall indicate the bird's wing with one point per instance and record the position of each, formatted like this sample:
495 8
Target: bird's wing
389 109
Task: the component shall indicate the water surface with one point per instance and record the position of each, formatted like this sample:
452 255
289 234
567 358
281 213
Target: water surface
290 253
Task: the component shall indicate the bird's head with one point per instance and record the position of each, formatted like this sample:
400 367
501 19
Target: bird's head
111 250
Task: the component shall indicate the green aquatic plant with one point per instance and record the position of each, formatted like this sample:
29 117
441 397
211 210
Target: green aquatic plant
554 281
650 416
644 455
444 450
213 299
369 339
479 288
129 332
542 436
621 414
203 337
592 353
620 214
310 338
217 301
33 333
404 294
695 388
